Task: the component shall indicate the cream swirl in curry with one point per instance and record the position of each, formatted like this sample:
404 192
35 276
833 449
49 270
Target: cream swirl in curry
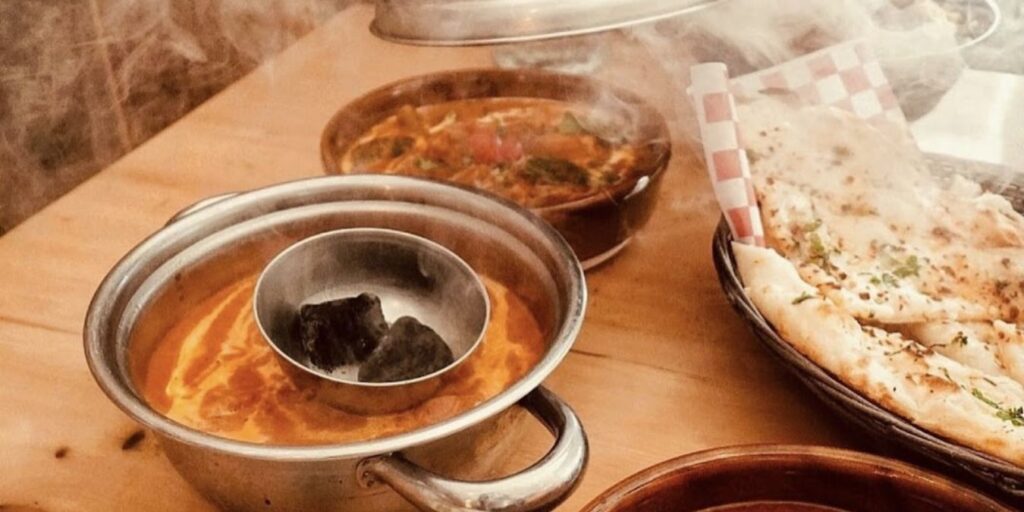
213 371
533 151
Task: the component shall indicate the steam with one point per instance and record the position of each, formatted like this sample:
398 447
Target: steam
915 40
920 44
755 34
1004 51
81 83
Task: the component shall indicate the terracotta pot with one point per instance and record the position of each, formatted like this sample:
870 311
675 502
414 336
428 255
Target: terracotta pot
790 478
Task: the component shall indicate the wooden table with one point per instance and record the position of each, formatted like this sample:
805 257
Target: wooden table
663 366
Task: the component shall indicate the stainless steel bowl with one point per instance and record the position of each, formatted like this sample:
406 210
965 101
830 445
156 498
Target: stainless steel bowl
442 466
411 276
480 22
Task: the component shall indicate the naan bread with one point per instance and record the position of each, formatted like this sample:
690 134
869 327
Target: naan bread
995 348
853 205
909 290
953 400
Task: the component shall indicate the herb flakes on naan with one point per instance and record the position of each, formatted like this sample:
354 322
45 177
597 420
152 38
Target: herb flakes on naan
996 348
907 288
855 208
947 397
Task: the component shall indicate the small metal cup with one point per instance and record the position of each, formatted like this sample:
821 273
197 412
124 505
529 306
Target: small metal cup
412 276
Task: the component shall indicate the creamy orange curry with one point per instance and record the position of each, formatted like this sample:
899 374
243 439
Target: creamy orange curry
213 371
533 151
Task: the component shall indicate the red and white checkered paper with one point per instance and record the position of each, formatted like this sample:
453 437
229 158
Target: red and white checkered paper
726 159
846 76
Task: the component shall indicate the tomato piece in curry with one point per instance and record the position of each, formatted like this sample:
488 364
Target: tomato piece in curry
535 152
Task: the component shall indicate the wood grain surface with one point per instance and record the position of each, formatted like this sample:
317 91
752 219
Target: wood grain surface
663 365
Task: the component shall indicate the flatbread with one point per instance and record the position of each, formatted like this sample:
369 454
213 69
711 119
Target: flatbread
995 348
907 288
953 400
853 205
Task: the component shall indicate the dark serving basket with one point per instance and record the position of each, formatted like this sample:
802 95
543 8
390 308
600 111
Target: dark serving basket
850 404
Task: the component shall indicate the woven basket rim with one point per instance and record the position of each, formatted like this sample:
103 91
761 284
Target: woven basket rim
848 401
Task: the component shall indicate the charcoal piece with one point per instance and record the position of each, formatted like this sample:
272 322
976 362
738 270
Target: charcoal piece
409 350
342 331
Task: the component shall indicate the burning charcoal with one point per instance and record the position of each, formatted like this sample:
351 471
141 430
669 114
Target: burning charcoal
340 332
409 350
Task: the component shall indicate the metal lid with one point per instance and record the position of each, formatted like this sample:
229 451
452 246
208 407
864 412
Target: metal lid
479 22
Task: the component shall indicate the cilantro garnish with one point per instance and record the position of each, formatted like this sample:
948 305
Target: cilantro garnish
820 254
908 268
812 226
886 279
1015 415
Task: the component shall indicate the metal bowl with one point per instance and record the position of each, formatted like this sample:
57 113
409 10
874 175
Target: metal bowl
213 246
781 477
596 226
410 275
885 426
922 76
479 22
978 19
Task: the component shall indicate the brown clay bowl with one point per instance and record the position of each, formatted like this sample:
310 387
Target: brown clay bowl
596 226
788 478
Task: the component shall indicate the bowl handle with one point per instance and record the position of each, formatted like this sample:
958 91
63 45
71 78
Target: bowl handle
199 205
540 487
